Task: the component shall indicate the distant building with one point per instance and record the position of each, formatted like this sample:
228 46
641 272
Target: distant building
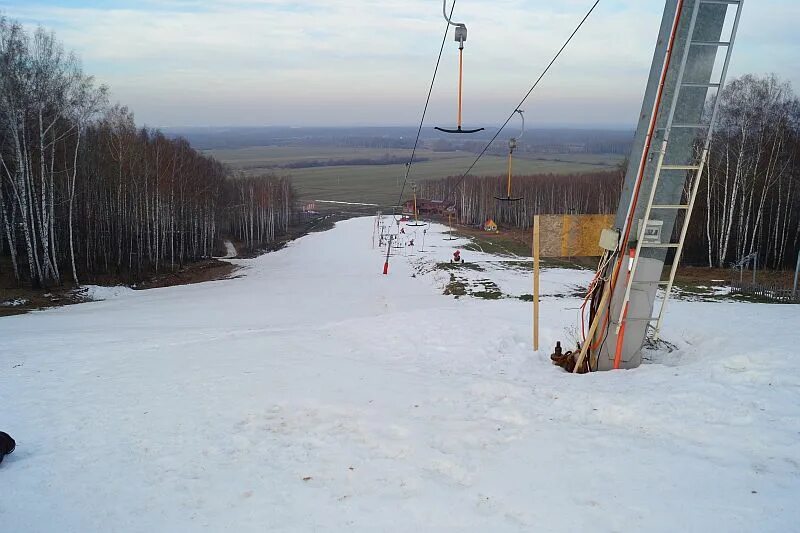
429 207
489 225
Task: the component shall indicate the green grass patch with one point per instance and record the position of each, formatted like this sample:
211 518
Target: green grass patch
381 183
487 295
497 246
459 266
456 287
490 290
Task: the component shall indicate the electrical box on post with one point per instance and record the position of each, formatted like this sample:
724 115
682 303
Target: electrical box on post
609 239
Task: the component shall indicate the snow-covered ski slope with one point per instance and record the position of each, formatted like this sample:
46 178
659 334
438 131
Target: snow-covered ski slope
315 394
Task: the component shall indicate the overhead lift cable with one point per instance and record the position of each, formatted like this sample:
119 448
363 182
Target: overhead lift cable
530 91
427 102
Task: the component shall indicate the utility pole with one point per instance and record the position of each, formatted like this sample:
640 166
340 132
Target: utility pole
796 272
535 253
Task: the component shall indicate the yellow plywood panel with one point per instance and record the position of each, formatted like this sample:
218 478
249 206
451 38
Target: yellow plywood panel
550 232
572 235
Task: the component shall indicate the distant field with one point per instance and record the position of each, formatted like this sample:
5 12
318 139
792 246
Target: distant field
380 183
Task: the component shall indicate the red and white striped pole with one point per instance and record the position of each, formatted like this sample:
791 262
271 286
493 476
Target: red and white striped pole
388 249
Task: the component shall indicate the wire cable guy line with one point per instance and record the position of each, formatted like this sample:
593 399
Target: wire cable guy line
425 109
535 84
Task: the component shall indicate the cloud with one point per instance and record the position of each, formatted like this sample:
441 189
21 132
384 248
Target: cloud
185 62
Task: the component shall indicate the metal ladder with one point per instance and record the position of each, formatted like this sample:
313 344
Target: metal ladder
698 168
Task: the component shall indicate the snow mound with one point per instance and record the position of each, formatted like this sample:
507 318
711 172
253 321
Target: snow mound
100 292
16 302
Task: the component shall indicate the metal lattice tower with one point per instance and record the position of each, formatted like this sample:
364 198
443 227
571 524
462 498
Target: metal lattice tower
685 108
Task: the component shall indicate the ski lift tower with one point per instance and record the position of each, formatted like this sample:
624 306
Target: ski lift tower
667 161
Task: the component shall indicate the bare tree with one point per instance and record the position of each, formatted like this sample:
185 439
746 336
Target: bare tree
82 186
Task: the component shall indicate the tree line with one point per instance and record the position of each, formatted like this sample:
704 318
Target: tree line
748 200
84 192
475 202
260 209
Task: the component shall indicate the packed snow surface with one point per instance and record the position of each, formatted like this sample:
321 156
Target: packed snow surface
315 394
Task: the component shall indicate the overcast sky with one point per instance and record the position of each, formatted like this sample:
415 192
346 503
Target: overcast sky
350 62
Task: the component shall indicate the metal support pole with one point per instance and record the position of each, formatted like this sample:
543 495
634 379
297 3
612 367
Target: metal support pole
536 283
460 79
388 250
796 272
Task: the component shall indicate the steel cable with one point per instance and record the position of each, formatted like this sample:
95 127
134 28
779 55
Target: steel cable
425 109
530 91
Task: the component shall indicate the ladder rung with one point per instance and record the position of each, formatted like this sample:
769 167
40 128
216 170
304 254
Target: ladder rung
642 319
710 43
680 167
660 282
728 2
690 126
703 85
670 206
659 245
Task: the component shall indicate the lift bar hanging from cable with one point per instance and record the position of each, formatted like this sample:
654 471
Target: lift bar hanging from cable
460 38
416 222
512 145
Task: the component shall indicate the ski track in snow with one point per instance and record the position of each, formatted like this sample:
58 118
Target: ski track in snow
314 393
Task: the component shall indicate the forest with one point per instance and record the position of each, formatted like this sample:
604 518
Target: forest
591 192
749 200
84 192
749 196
